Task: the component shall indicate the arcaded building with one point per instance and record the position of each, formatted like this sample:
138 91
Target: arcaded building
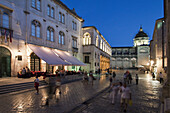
96 50
130 57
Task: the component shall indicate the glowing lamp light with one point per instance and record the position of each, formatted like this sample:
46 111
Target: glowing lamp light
19 55
147 64
152 62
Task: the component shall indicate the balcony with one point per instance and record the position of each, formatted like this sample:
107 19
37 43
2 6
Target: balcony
6 34
75 49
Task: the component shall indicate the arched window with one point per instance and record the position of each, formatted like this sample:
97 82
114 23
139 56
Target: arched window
50 34
5 20
61 38
86 39
35 29
97 41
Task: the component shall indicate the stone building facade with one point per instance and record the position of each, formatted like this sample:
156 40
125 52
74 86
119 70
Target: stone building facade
131 57
158 45
96 50
42 23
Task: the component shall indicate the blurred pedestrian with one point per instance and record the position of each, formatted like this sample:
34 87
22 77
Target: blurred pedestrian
111 80
36 84
120 88
125 77
129 78
137 78
91 78
113 93
126 96
23 71
114 75
85 78
161 77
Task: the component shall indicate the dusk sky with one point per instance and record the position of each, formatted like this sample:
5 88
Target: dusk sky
119 20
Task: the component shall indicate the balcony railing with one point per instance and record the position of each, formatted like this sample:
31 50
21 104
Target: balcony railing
6 34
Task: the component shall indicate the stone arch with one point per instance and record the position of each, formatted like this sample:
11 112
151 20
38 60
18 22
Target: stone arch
5 62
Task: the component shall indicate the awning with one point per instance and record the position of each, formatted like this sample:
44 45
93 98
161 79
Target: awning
69 58
47 55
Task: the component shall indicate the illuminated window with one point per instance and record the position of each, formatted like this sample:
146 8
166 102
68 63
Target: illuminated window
50 11
61 38
61 18
86 39
35 29
101 44
74 25
36 4
97 40
5 20
50 34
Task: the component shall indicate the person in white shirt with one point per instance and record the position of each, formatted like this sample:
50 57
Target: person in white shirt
113 92
126 96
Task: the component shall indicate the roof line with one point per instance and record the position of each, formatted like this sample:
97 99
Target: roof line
60 3
98 33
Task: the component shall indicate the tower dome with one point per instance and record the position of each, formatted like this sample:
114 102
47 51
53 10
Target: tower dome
141 38
141 33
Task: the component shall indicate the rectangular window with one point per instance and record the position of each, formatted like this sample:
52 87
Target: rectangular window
52 36
48 10
60 17
86 59
59 39
33 30
38 31
48 35
63 39
75 27
33 3
52 12
63 19
38 4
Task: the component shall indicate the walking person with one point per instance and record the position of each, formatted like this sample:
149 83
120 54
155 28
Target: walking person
36 84
129 78
125 77
85 78
161 77
91 78
114 75
113 93
137 78
126 97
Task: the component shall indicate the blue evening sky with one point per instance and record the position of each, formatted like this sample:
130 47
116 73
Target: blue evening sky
119 20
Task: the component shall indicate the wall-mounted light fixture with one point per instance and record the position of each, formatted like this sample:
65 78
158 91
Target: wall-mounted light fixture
19 56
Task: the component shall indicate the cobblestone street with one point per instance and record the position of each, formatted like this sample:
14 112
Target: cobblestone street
145 98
